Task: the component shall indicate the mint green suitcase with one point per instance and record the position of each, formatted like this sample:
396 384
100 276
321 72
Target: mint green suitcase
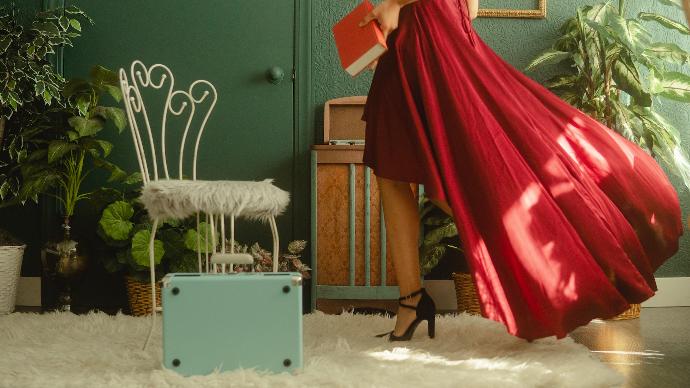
229 321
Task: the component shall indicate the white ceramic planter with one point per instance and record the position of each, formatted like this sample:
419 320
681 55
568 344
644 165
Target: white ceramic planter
10 267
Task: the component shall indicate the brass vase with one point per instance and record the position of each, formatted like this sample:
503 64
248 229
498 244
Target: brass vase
70 266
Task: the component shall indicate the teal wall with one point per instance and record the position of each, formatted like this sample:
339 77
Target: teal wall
516 40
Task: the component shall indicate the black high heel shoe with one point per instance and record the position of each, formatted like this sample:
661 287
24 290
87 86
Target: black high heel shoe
425 311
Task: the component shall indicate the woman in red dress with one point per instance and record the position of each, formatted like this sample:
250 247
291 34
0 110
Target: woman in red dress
562 219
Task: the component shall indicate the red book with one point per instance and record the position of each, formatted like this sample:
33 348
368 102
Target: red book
358 46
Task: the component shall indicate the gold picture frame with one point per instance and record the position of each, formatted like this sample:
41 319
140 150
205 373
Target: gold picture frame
538 13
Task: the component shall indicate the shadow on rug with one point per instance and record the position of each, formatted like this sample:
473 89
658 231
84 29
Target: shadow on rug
98 350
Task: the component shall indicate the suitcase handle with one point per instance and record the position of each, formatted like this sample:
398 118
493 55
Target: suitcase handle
232 258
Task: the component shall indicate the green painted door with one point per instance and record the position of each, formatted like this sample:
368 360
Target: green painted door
232 44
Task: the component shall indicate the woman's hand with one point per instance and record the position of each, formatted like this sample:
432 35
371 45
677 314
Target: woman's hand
386 14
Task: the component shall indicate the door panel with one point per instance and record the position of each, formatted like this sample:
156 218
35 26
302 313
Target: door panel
231 43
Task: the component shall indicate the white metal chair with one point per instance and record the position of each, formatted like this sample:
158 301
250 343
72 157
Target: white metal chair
178 198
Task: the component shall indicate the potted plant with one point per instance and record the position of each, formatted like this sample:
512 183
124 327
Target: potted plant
29 84
58 151
611 68
263 259
617 73
125 229
440 239
11 254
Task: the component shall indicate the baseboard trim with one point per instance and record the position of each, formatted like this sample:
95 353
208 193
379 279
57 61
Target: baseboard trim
29 291
673 292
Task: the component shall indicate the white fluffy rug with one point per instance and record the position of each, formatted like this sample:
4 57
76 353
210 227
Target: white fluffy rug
97 350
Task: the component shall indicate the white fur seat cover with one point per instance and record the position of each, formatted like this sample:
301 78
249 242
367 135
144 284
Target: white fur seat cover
254 200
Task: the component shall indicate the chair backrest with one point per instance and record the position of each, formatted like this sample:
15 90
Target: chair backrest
177 103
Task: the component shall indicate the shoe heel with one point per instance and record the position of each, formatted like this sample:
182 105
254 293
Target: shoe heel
431 323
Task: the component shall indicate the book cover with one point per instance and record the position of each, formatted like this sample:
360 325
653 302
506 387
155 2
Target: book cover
358 46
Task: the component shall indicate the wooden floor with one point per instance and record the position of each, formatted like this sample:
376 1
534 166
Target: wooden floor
651 351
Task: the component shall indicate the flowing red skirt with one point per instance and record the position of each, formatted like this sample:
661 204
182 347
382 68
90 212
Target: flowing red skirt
562 219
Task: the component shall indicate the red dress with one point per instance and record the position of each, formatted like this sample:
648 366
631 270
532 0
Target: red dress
562 219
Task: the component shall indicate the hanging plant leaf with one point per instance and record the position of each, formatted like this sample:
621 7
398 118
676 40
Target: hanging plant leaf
116 220
140 248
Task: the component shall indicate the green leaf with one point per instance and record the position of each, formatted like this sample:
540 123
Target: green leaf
116 173
83 104
548 57
73 135
669 52
561 81
628 80
114 91
47 97
630 33
429 256
664 21
75 86
434 236
102 75
5 42
673 85
75 24
600 13
58 148
140 248
86 127
672 3
116 115
115 220
64 23
190 238
133 179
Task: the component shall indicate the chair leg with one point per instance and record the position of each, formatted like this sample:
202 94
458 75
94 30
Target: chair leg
152 271
198 242
276 243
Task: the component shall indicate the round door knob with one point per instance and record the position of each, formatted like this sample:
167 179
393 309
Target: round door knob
275 74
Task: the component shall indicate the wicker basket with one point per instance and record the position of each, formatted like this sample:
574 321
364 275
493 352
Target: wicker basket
631 313
468 301
10 268
139 294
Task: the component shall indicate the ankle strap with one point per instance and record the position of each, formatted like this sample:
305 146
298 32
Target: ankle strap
421 290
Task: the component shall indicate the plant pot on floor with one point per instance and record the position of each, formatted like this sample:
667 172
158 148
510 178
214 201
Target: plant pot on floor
468 301
10 268
139 296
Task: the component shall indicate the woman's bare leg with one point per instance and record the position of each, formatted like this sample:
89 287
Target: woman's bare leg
401 214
